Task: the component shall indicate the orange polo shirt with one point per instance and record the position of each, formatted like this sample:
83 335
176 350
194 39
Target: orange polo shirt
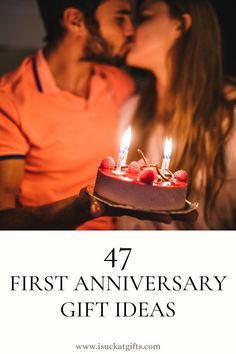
62 137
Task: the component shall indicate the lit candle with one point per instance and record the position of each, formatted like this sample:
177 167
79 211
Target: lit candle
167 155
124 149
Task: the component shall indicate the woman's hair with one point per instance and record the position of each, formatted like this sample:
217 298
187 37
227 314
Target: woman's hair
52 14
198 116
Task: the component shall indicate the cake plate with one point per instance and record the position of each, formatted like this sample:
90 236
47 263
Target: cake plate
188 208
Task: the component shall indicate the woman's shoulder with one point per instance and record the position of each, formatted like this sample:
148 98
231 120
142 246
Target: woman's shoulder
131 103
127 112
129 107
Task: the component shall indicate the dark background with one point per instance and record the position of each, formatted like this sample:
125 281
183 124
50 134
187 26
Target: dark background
21 31
226 11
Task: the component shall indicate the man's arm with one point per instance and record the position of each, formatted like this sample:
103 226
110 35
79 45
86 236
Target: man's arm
65 214
11 174
62 215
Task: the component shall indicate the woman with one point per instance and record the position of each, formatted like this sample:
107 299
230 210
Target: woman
179 42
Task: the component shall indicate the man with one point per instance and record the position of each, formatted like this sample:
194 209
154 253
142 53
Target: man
59 110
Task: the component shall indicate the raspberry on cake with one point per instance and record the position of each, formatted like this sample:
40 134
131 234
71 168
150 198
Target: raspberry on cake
108 163
133 168
181 175
147 175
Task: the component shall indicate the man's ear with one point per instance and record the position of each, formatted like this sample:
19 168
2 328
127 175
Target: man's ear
73 21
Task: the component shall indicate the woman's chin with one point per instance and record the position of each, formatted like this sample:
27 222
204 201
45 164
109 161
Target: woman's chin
133 60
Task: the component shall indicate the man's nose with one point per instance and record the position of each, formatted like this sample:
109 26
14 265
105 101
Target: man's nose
129 28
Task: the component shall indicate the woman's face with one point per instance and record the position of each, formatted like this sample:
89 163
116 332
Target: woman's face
155 36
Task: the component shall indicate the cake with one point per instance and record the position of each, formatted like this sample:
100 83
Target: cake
141 186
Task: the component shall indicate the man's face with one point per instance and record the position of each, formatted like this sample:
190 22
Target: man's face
115 23
116 31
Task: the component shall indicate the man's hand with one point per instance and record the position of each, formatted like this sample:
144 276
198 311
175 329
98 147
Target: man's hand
230 91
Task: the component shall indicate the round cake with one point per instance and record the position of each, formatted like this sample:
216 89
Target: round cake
141 187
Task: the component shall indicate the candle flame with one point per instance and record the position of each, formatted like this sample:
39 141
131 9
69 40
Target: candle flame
168 148
126 140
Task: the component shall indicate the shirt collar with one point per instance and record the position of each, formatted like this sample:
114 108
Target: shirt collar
43 75
46 83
